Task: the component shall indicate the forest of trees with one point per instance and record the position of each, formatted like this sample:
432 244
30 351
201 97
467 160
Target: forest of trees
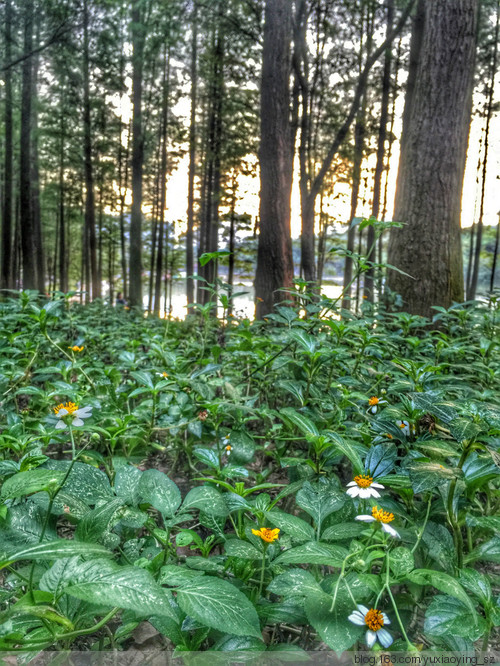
103 102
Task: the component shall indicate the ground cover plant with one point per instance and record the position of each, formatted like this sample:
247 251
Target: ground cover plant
290 484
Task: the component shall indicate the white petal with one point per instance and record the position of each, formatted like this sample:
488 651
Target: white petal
77 422
390 530
62 412
60 425
366 519
362 609
351 483
353 492
374 409
357 618
384 637
386 619
370 638
377 485
83 413
365 492
373 492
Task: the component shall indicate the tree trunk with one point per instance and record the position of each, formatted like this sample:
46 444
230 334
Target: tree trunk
432 162
274 255
379 166
471 293
138 38
6 275
192 158
91 243
35 172
28 244
63 273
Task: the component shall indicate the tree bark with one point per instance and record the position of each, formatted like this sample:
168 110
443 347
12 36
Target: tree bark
192 158
274 255
138 38
6 276
28 243
432 162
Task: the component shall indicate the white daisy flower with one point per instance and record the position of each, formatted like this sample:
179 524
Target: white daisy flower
382 517
374 402
405 427
70 409
363 486
375 621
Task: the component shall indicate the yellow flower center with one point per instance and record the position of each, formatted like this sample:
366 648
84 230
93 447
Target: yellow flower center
374 619
388 435
228 447
402 425
381 515
267 534
373 401
70 407
363 480
75 348
164 374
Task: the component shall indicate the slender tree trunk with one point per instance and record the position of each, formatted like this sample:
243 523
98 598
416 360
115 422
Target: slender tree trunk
379 166
63 273
495 255
192 158
163 183
35 172
471 294
232 241
274 272
432 162
91 243
7 275
26 216
123 160
138 38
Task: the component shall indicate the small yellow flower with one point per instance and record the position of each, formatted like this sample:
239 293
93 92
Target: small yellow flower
229 447
70 407
374 619
267 534
75 348
373 401
381 515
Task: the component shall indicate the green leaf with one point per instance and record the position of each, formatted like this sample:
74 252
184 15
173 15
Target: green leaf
209 256
464 430
380 460
218 604
242 446
401 561
99 521
430 403
51 551
143 378
206 498
159 491
477 584
127 480
442 582
342 531
313 552
294 582
320 501
428 475
332 624
242 549
440 545
85 482
296 527
303 423
447 616
347 449
130 587
488 551
32 481
175 575
290 611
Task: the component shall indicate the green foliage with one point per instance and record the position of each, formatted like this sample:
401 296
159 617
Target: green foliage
208 492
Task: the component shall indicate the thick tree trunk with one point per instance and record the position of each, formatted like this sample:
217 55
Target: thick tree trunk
274 255
28 243
138 38
432 162
6 275
192 158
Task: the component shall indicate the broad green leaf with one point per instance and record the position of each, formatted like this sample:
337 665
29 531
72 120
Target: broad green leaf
464 430
320 500
290 611
158 490
132 588
32 481
348 449
72 570
303 423
401 561
449 616
296 527
429 402
428 475
206 498
313 552
176 575
488 551
380 460
99 521
220 605
85 482
143 378
331 623
240 644
442 582
242 549
294 582
440 545
477 584
127 480
242 446
342 531
51 551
